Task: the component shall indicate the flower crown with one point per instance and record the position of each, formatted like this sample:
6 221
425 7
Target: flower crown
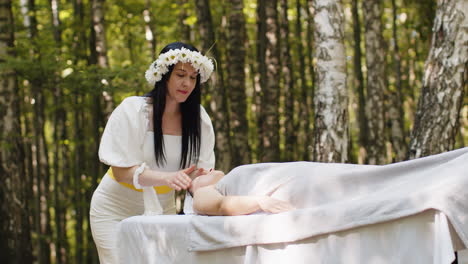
159 67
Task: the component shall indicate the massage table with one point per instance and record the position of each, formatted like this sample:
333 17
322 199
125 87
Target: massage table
409 212
424 238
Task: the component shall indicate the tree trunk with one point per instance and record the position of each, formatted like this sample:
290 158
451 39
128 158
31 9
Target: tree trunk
331 99
288 92
253 90
149 30
236 79
310 31
358 76
59 137
42 168
15 238
305 137
55 19
218 104
64 187
269 120
185 30
80 39
437 117
260 84
60 153
395 109
40 147
130 40
30 152
102 97
79 152
375 60
310 69
98 49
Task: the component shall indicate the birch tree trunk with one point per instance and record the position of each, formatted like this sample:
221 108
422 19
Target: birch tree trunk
15 238
269 121
103 105
55 19
331 99
218 105
375 61
98 47
236 78
98 33
444 83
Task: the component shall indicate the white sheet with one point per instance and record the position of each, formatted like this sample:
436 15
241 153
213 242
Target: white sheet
337 197
419 239
463 256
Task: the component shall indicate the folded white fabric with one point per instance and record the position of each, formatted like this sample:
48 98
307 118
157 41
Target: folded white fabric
188 205
443 250
151 201
332 197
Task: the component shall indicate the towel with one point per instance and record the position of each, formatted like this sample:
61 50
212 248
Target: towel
332 197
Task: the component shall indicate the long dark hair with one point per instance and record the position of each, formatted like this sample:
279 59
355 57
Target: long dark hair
190 116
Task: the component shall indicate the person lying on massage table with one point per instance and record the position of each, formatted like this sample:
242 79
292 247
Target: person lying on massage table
207 200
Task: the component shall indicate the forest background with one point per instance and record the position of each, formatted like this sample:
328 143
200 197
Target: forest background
370 82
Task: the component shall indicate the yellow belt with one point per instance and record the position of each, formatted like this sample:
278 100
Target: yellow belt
159 189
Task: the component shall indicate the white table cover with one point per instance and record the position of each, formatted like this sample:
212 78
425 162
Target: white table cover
332 197
423 238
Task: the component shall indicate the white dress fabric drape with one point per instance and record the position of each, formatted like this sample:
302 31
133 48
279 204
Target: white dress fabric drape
126 142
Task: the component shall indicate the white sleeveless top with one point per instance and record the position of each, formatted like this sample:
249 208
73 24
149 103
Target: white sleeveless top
127 140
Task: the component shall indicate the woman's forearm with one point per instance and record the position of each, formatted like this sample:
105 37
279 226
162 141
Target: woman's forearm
239 205
147 178
209 201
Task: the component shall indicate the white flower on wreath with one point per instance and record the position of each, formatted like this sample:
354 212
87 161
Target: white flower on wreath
160 66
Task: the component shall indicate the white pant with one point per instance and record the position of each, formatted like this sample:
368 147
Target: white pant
111 203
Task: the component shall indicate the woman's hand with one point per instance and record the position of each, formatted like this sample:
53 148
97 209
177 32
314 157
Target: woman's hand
180 180
272 205
198 172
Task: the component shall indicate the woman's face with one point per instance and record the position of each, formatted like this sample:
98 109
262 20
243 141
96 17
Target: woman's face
181 82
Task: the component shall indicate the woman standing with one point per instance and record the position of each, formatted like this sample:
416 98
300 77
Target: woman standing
154 140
